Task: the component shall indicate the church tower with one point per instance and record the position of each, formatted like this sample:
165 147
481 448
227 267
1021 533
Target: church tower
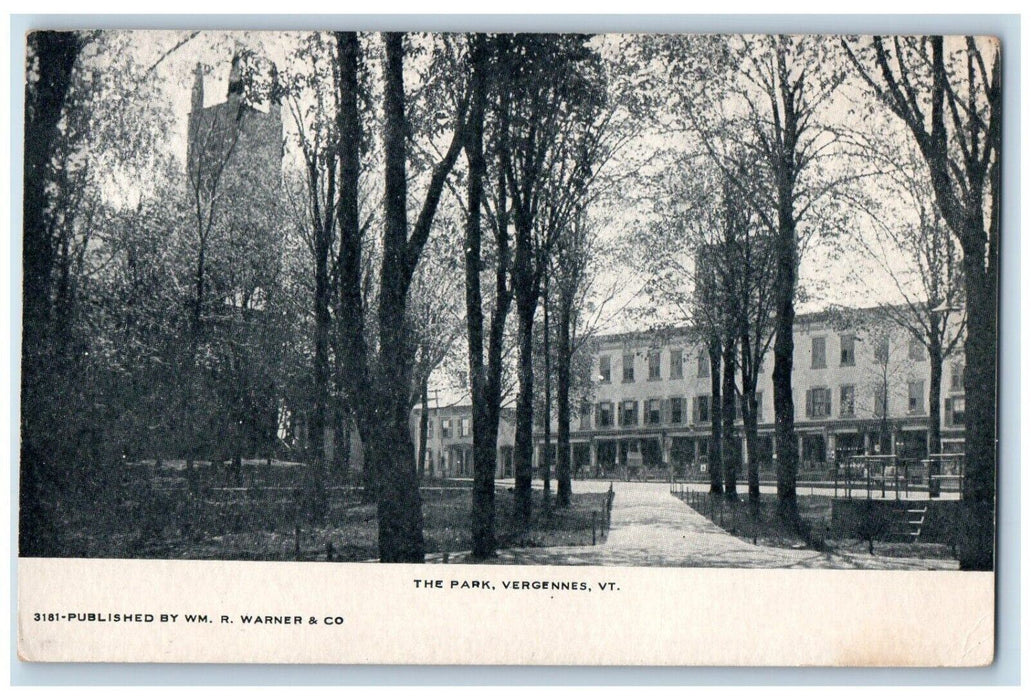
234 140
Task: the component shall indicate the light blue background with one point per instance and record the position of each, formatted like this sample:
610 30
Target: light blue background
1005 670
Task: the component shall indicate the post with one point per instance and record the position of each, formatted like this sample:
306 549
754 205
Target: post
594 524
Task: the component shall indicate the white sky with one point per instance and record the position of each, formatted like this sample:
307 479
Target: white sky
824 275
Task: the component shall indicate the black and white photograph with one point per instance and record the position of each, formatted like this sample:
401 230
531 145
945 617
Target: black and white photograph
633 300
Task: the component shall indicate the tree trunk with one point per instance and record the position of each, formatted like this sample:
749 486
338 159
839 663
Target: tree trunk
484 409
977 537
546 457
730 443
320 409
340 454
351 351
751 423
399 506
750 416
716 419
45 94
523 452
424 425
563 359
934 411
783 355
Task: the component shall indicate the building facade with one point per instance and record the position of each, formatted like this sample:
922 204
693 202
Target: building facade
449 441
857 390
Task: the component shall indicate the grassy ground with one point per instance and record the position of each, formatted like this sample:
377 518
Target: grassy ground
764 527
276 516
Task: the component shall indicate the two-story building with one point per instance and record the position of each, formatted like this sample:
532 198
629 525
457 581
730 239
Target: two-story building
857 390
449 440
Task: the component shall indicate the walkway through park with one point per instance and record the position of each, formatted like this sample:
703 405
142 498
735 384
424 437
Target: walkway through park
651 527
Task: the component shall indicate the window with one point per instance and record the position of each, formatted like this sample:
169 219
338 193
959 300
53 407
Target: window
916 350
880 402
955 409
703 363
880 351
916 397
957 379
585 415
628 411
847 404
604 417
429 429
676 364
701 408
463 427
604 369
628 369
654 365
676 410
445 428
848 350
654 412
758 406
818 402
819 352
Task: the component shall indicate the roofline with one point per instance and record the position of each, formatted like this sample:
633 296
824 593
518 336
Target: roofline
688 329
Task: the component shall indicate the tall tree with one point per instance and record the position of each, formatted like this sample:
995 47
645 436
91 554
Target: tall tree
783 82
576 266
949 96
380 379
51 61
909 244
485 370
554 93
315 126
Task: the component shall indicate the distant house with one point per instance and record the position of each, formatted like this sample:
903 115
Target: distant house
449 440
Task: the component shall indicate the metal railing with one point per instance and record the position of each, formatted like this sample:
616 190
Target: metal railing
868 473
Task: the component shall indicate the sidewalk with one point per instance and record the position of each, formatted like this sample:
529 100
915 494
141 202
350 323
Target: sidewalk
650 527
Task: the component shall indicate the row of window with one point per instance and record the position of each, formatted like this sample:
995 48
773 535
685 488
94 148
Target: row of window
447 428
818 404
671 411
818 401
676 366
847 358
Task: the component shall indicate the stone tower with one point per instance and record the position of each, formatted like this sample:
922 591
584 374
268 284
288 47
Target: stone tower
233 140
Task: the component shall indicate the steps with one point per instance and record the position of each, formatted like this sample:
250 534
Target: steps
914 521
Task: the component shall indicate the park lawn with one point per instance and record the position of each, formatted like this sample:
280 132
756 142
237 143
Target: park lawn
276 523
738 518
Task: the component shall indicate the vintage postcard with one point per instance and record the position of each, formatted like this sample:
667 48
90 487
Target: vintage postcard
509 348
